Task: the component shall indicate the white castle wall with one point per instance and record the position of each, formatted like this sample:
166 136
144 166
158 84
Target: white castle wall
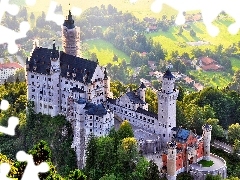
135 118
200 174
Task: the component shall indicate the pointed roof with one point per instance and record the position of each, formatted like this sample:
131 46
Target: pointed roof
172 144
168 74
69 64
69 22
207 127
54 53
105 74
142 86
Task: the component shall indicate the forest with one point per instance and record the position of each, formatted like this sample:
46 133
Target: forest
43 137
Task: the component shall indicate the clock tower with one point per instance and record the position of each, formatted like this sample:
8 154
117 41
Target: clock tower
167 97
71 37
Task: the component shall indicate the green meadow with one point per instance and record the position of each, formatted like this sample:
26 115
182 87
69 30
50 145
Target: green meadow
171 41
105 51
209 78
235 63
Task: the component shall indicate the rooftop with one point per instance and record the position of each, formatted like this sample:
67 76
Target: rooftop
12 65
72 67
69 22
95 109
168 74
134 98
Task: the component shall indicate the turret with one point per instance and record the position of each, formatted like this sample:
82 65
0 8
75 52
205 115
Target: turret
206 140
142 91
167 97
70 37
54 81
171 160
106 82
35 43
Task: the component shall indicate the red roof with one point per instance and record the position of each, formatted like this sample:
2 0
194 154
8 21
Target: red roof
207 60
188 79
198 86
13 65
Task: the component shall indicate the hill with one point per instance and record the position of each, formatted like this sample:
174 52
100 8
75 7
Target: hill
139 9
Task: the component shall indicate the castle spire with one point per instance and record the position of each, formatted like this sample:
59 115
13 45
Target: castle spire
69 22
105 74
71 36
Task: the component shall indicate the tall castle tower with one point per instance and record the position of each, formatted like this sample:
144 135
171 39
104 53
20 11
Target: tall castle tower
55 81
206 140
106 81
167 97
171 160
71 37
142 91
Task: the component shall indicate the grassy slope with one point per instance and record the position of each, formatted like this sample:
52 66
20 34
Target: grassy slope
169 40
235 63
105 51
215 79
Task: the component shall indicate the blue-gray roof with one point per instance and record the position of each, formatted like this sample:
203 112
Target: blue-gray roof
168 74
134 98
142 86
147 113
69 64
182 134
95 109
75 89
174 129
112 101
69 22
81 101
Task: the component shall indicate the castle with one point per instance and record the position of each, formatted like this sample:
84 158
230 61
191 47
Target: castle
61 82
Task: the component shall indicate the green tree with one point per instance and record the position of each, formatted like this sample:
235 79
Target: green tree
77 175
41 152
94 57
212 177
91 153
108 177
153 172
233 132
125 130
217 130
115 58
184 176
235 85
127 157
142 167
236 146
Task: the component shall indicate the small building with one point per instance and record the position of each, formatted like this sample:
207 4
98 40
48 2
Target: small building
8 69
188 80
209 64
198 86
